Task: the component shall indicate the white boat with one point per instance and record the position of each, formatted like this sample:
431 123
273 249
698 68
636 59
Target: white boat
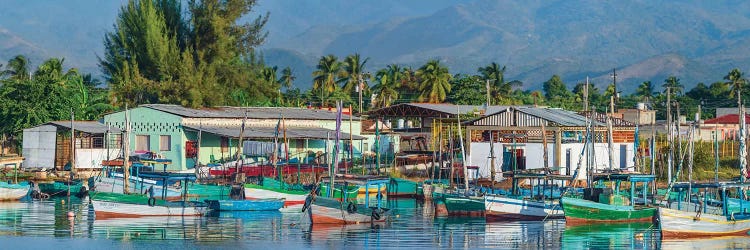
10 192
112 205
137 185
701 220
330 211
291 198
501 208
681 224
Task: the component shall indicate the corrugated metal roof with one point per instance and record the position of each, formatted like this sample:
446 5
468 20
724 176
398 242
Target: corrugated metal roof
560 116
432 109
268 132
90 127
252 112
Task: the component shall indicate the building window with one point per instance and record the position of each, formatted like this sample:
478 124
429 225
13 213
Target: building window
115 141
224 144
142 143
165 143
97 142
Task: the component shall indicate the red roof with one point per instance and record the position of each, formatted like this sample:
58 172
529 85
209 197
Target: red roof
727 119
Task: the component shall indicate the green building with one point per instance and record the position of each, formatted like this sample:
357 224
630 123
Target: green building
188 136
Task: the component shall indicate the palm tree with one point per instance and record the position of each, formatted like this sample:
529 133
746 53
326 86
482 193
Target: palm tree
645 91
269 74
326 77
388 81
434 82
287 78
674 84
353 72
736 81
18 68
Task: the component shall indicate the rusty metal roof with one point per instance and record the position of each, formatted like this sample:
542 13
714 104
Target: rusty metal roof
252 112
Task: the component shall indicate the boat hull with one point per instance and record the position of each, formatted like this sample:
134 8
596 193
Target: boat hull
330 212
290 199
501 208
13 193
111 209
681 224
464 206
580 211
60 188
403 188
246 205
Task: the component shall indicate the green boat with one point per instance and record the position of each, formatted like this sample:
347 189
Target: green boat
61 188
351 191
460 205
608 204
398 187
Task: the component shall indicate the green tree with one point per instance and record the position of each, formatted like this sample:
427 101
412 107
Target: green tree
467 89
556 93
674 84
326 77
500 90
434 82
387 83
736 80
646 91
194 56
287 78
354 73
18 68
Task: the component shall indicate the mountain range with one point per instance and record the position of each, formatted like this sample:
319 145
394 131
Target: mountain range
698 41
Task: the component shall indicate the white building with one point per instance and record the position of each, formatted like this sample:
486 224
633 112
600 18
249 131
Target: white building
519 130
48 145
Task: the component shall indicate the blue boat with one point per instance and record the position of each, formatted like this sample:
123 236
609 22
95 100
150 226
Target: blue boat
246 205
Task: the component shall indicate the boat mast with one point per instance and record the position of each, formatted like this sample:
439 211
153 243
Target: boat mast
610 145
463 152
743 150
72 151
492 162
691 148
336 148
670 136
126 154
237 163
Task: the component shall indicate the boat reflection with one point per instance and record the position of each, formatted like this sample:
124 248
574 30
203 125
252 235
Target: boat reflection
617 235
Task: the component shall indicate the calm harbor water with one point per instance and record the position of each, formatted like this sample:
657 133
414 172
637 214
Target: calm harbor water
45 224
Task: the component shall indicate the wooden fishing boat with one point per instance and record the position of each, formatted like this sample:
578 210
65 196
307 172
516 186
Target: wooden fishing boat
607 204
324 209
699 218
117 205
9 192
61 188
538 204
114 205
246 205
398 187
273 189
462 205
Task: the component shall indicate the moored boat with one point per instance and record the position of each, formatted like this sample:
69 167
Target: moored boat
62 188
399 187
539 204
324 209
698 218
114 205
246 205
273 189
9 192
462 205
608 204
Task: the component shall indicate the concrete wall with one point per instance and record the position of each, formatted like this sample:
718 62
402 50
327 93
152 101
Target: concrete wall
154 123
39 147
534 157
91 158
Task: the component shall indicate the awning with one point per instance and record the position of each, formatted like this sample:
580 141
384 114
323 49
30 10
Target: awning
269 132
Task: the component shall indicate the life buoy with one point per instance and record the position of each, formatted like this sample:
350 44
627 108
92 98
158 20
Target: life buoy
151 201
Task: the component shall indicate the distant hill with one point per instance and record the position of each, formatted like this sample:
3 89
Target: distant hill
698 41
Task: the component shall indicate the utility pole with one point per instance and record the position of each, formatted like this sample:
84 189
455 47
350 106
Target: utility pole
614 83
360 89
669 136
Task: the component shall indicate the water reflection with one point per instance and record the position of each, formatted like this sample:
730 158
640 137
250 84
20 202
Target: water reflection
412 226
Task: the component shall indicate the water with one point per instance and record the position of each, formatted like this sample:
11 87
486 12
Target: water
44 224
